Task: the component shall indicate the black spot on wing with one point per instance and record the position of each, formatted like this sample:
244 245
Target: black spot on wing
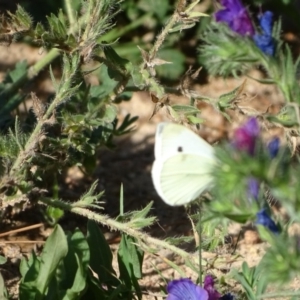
180 149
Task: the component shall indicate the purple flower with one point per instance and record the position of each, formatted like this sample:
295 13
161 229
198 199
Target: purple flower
236 17
253 188
185 289
262 218
213 294
245 136
273 147
264 41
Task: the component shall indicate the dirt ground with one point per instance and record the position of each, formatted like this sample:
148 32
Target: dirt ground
130 165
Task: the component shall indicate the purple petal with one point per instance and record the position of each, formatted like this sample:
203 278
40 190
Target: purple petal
252 127
262 218
236 17
185 289
253 188
213 294
245 136
233 5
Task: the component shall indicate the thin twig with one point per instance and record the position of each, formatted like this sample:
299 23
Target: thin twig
23 242
27 228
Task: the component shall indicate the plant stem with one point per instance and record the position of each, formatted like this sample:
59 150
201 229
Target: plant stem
199 228
70 13
115 225
116 33
27 76
160 39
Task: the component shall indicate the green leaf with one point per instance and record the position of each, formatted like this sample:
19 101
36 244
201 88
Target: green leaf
3 291
54 214
114 58
173 113
265 234
18 72
76 266
130 259
55 249
160 8
100 255
89 199
225 100
3 260
140 220
29 269
174 70
186 109
194 120
182 26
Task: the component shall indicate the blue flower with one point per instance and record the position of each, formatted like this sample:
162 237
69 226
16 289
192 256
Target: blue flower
245 137
265 41
262 218
253 188
185 289
273 147
236 17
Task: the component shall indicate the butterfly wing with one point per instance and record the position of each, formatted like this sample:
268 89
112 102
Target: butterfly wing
170 139
182 166
183 178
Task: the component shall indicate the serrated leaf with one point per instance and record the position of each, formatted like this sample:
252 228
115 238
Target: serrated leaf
144 212
89 199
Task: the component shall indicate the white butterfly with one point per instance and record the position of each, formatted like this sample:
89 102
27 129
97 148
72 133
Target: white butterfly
183 164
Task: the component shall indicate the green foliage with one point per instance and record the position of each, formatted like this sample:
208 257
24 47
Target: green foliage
225 53
73 266
252 280
39 272
130 259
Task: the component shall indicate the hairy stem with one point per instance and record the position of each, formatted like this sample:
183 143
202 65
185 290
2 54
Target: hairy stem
162 36
70 13
122 227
